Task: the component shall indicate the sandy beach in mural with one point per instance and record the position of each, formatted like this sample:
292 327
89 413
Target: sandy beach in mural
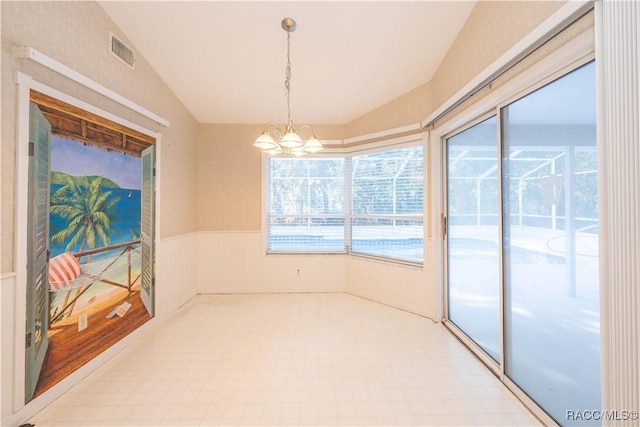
105 295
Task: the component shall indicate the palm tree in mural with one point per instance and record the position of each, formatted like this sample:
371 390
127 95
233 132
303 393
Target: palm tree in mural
135 234
89 213
88 210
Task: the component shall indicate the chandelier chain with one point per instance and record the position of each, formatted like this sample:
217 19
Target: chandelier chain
275 140
287 81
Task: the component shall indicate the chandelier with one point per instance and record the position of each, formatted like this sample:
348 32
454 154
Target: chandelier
276 140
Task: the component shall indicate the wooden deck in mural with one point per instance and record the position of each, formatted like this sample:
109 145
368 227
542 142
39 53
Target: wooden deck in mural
70 349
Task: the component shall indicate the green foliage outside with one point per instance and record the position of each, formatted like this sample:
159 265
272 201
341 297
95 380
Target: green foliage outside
382 184
535 181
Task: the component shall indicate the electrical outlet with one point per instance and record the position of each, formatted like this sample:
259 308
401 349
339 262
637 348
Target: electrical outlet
298 272
83 322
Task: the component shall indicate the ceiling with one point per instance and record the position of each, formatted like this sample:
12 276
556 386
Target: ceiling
225 60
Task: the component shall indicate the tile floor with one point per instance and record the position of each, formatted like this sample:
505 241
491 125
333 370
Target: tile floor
290 360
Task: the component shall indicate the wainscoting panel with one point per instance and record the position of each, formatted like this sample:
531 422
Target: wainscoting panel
176 272
235 262
7 327
403 287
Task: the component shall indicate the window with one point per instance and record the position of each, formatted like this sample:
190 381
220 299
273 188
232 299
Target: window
387 204
305 205
313 207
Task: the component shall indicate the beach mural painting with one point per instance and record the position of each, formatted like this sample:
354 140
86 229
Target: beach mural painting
95 256
94 203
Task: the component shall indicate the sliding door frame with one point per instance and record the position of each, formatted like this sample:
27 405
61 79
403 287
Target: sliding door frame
495 366
511 385
571 56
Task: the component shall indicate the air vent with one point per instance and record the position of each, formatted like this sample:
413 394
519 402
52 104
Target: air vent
122 51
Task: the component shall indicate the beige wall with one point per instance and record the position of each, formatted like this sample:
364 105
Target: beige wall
76 34
407 109
230 175
235 262
583 24
493 27
229 178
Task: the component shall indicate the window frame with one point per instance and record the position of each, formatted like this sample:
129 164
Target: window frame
266 215
353 216
347 153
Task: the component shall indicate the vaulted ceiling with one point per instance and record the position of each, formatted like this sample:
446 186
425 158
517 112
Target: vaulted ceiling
226 60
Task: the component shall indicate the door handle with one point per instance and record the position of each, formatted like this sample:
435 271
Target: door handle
443 226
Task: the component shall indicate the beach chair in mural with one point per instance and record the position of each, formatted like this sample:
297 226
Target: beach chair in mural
63 270
113 267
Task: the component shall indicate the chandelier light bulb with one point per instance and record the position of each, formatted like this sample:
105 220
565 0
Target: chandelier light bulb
291 140
297 151
312 145
274 151
265 142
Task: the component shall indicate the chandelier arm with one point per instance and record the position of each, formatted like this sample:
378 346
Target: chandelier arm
312 134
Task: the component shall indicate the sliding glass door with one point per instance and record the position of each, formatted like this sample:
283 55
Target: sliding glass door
552 340
473 269
534 242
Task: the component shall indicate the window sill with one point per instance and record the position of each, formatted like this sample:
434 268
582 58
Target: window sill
390 261
379 259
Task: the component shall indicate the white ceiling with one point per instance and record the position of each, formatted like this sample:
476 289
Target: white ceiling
226 60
